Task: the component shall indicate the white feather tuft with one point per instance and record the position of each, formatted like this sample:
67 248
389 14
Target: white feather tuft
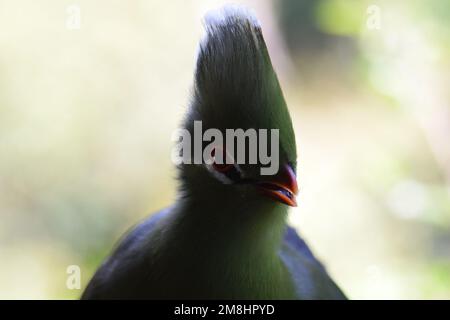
239 12
223 16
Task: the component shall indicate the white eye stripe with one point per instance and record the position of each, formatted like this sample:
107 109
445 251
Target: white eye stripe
225 157
222 176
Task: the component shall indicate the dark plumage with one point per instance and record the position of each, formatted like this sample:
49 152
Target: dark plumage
223 238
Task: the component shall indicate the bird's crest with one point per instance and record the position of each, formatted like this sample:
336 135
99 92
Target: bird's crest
232 61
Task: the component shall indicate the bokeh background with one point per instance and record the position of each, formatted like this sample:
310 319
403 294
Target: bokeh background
87 112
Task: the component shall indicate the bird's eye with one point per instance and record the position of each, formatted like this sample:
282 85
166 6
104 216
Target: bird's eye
222 167
230 170
223 163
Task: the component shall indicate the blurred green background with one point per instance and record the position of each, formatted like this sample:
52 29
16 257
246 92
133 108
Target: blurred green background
86 116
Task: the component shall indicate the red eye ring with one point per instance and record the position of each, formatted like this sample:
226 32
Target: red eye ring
222 167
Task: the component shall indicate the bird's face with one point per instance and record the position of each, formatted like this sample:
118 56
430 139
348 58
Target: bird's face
247 176
281 187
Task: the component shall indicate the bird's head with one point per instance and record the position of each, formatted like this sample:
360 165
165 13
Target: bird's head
236 88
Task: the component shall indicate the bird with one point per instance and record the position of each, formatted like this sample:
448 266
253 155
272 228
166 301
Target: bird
226 235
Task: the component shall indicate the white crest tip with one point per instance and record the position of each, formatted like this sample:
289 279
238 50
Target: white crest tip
226 13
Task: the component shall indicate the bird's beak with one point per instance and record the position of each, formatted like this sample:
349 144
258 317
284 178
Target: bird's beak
281 187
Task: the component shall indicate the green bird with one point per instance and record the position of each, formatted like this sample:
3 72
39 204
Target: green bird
226 236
